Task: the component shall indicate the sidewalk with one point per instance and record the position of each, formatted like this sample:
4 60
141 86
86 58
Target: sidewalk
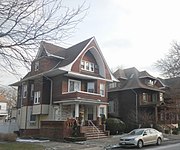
96 144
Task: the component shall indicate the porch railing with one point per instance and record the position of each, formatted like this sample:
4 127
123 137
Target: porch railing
95 129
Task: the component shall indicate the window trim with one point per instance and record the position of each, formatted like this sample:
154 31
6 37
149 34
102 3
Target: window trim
77 81
87 65
36 66
100 89
88 88
24 90
37 95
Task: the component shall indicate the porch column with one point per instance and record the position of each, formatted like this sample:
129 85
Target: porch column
76 110
98 111
94 112
60 111
98 115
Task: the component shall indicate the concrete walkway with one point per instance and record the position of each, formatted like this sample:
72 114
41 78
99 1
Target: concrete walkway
96 144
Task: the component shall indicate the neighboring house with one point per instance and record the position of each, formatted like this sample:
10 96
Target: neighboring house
137 99
63 84
3 108
172 100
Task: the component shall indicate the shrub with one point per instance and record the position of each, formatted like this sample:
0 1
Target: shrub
9 137
115 126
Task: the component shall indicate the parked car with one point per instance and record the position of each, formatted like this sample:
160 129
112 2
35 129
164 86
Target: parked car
141 137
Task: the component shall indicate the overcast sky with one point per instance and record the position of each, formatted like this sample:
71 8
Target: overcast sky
130 33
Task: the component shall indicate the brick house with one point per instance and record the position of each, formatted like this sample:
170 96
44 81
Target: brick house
138 99
63 84
172 100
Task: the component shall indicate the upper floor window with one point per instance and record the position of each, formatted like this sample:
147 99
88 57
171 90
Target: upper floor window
86 65
149 82
24 90
112 85
161 97
32 90
37 96
90 87
74 85
145 97
102 89
36 66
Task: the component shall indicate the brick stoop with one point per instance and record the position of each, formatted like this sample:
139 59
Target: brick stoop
92 133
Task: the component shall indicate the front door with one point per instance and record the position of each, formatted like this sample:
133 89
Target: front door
90 113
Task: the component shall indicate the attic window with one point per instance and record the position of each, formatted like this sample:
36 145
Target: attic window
150 82
36 66
86 65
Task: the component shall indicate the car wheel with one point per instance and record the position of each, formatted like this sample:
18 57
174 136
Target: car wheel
140 144
159 141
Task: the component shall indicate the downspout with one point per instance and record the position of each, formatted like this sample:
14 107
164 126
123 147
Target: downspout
136 105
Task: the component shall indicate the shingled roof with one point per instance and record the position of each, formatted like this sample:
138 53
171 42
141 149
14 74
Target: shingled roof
133 81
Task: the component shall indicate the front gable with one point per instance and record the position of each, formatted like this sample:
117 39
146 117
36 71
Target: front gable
91 55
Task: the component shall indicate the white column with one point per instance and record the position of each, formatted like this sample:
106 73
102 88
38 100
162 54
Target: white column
94 112
76 110
98 111
60 111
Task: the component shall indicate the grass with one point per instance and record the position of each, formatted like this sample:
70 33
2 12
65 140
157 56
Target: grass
20 146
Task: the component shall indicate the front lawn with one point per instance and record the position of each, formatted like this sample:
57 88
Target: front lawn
20 146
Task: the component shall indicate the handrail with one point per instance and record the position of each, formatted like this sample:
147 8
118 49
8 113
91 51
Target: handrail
94 127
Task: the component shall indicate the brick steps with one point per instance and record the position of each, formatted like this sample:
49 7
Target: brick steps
92 133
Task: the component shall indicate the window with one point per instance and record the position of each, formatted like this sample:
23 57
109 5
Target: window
150 82
154 97
88 66
24 90
112 85
33 118
90 87
36 66
161 97
102 89
145 97
37 97
74 85
32 90
102 110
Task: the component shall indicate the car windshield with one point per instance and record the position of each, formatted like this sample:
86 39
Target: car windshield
136 132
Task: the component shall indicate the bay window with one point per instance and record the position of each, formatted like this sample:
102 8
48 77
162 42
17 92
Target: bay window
74 85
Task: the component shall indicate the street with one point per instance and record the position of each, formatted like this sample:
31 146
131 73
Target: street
164 146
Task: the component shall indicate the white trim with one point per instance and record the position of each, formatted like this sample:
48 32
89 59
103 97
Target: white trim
75 81
82 101
86 76
82 92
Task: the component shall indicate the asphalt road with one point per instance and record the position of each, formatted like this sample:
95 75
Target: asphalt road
167 145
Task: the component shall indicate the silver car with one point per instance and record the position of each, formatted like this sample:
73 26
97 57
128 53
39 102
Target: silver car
141 137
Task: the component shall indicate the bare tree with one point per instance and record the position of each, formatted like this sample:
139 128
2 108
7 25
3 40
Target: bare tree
24 23
170 65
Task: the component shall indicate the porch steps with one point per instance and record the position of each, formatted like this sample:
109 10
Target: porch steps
92 133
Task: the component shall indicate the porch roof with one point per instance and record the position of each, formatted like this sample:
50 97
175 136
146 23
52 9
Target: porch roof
81 101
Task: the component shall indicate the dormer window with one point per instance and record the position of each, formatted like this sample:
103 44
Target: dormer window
86 65
150 82
36 66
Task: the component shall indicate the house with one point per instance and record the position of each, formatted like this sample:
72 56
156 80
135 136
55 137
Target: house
64 84
172 100
3 108
137 99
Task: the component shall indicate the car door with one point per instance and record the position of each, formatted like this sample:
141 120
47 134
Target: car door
147 139
153 135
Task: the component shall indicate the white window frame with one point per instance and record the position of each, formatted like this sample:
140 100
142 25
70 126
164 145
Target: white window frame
88 66
24 90
161 98
91 86
75 81
37 96
102 89
36 66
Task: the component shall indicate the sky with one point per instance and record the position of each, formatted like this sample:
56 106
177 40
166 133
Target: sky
130 33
